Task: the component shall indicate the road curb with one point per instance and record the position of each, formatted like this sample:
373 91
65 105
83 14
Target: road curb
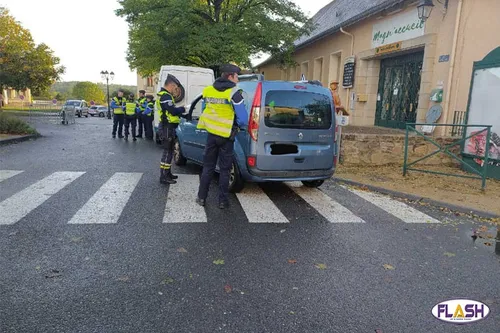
460 209
18 139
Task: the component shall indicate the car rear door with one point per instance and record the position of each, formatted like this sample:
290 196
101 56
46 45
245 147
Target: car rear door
193 139
296 128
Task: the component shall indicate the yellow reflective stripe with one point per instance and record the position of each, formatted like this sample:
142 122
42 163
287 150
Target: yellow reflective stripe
214 117
214 128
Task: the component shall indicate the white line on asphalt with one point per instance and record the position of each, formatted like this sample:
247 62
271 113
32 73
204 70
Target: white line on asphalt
325 205
181 206
402 211
258 207
6 174
107 204
20 204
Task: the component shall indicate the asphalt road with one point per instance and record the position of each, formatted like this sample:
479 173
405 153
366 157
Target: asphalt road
91 242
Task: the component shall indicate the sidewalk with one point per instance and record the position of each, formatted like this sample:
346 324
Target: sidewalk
451 190
10 138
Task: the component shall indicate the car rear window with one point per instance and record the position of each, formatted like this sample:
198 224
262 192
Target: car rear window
297 109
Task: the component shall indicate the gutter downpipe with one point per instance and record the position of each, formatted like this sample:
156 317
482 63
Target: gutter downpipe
452 61
348 93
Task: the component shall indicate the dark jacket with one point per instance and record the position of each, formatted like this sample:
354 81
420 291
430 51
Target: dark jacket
168 104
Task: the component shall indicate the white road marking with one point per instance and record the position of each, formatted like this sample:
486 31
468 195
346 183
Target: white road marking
20 204
325 205
394 207
107 204
258 207
6 174
181 206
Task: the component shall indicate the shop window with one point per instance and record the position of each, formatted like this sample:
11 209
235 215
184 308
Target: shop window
334 68
304 69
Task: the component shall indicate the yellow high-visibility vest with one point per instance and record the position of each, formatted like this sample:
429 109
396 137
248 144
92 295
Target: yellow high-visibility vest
218 116
171 119
130 108
118 110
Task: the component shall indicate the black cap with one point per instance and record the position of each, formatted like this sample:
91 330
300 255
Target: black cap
121 90
150 96
131 95
171 78
142 91
230 68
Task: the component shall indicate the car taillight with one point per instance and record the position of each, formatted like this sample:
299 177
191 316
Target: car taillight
253 126
251 161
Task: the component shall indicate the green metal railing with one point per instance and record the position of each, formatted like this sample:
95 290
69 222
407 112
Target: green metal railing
481 174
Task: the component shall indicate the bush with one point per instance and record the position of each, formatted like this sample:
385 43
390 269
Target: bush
13 125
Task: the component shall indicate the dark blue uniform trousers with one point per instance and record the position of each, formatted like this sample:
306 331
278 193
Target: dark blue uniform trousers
222 149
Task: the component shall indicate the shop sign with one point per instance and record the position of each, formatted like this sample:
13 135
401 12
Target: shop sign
348 79
388 48
397 28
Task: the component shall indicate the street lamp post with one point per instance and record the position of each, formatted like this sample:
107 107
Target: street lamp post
107 76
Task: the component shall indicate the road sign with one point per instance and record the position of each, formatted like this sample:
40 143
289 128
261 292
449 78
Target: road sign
92 103
21 97
54 101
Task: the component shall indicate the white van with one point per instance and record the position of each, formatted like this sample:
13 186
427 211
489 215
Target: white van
192 79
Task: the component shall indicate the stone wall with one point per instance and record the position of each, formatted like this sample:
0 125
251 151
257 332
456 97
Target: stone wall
383 149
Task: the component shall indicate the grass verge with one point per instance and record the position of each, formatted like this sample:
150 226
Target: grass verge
10 124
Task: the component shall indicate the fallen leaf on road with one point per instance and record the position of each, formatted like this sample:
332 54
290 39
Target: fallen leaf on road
76 239
283 230
160 293
292 261
123 278
449 254
182 250
168 280
190 276
219 262
228 289
292 313
389 267
37 268
53 274
488 244
13 233
320 266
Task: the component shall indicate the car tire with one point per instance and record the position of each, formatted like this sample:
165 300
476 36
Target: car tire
92 115
101 115
236 182
179 159
79 115
86 116
313 183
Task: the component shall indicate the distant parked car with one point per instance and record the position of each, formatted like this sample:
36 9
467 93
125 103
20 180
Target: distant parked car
98 110
81 107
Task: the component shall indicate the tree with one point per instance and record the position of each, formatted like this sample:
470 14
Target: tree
23 64
88 91
209 33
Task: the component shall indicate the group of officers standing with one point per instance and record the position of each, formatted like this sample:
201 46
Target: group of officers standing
224 113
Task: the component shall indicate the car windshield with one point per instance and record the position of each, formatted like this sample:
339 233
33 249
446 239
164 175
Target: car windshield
296 109
73 103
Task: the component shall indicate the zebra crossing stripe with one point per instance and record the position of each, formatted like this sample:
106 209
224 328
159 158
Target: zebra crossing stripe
107 204
258 207
6 174
325 205
181 206
394 207
20 204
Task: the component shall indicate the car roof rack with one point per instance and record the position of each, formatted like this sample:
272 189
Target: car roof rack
250 77
313 82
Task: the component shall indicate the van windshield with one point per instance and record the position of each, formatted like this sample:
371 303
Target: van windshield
73 103
296 109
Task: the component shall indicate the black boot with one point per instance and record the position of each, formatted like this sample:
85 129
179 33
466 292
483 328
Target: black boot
165 178
172 175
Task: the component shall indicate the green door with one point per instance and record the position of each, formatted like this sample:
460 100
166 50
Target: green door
398 89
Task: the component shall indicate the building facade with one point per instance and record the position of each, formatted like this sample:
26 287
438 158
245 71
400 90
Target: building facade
393 67
147 83
12 96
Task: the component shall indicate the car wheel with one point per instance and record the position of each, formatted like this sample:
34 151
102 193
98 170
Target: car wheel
79 114
86 116
92 115
101 115
313 183
179 159
236 182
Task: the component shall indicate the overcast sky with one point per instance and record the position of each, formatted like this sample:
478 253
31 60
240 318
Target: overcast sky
87 35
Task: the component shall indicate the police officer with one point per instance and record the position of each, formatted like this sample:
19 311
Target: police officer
148 117
117 104
140 116
223 113
131 108
169 118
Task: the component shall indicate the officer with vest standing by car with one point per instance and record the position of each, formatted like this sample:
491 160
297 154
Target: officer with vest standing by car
140 116
117 104
148 117
169 118
131 108
223 114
